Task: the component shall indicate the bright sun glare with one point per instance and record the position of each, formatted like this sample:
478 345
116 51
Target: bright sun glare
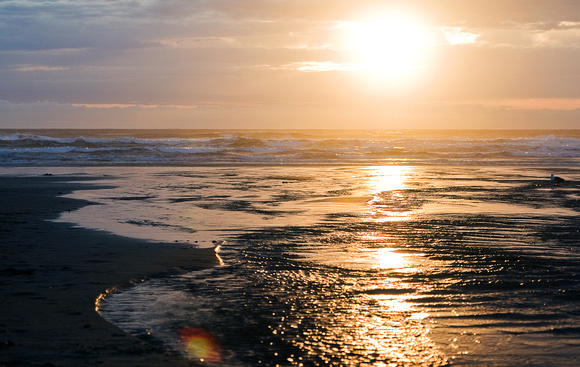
390 46
388 178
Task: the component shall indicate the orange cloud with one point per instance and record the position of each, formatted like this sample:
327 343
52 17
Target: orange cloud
121 106
561 104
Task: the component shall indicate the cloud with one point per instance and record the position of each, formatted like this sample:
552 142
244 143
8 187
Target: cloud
566 34
199 42
290 116
455 36
314 66
122 106
549 34
32 68
529 104
33 25
185 58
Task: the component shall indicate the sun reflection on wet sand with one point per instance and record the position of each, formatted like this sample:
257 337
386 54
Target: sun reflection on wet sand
344 292
391 326
388 178
428 272
389 259
389 203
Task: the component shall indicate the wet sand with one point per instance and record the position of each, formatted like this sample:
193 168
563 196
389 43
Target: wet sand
52 273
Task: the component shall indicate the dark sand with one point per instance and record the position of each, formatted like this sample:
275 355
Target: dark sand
52 273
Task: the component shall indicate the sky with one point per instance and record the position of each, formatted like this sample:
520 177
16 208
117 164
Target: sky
290 64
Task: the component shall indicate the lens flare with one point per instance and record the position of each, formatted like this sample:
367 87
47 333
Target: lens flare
200 344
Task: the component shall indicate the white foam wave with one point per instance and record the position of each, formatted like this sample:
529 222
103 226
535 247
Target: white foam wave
286 147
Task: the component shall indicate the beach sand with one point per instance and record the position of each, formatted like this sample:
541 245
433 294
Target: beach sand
52 273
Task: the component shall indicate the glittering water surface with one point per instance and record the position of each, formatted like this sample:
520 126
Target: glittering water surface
363 266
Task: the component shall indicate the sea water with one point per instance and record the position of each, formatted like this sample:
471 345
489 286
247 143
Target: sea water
376 249
203 147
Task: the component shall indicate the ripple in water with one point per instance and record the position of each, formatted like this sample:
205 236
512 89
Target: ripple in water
443 266
278 305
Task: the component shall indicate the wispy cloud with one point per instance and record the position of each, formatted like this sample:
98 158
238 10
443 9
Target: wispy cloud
556 104
200 105
132 105
32 68
456 36
199 42
314 66
565 34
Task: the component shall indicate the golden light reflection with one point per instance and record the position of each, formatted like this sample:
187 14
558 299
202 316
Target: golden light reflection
396 337
389 259
389 203
383 217
388 178
394 304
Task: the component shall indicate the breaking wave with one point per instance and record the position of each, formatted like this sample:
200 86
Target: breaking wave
199 147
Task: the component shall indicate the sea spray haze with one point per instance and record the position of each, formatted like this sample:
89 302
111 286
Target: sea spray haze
352 248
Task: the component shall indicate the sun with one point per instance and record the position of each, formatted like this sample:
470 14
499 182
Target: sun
392 46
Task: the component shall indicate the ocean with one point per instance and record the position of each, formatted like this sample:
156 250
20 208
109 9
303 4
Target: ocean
343 248
312 147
